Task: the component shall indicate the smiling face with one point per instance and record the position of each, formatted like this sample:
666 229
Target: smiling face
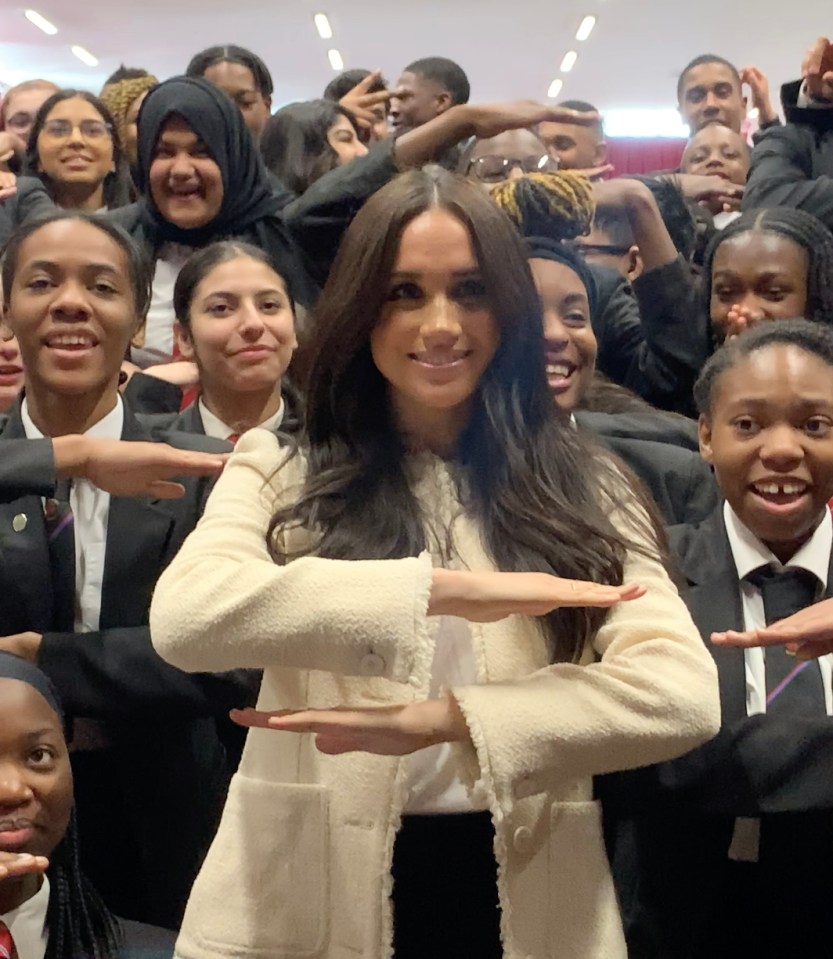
437 334
75 147
35 775
72 309
717 151
770 439
11 368
764 272
343 138
570 341
185 182
242 330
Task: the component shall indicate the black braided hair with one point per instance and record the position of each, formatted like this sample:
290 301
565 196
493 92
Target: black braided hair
80 925
800 227
809 337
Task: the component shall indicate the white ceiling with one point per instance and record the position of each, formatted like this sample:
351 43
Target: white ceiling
509 48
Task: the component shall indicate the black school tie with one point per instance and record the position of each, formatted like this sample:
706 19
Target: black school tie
60 531
791 685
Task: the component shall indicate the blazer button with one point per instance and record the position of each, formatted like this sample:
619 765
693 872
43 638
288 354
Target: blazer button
372 665
20 522
522 840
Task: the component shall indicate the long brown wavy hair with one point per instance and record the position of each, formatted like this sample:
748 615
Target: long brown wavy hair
540 494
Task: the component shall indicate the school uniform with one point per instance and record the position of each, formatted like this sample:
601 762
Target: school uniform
728 851
29 931
147 740
681 485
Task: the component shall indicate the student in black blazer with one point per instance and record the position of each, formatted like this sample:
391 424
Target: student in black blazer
729 851
47 906
679 482
235 320
153 748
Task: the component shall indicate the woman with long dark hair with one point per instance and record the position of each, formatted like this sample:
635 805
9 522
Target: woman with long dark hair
303 141
447 582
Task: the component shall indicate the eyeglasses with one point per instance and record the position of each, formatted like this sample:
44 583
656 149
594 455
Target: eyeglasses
20 121
493 169
608 249
89 129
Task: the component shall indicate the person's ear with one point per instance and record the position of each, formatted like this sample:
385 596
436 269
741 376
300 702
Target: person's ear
635 265
268 102
600 153
704 435
183 340
443 102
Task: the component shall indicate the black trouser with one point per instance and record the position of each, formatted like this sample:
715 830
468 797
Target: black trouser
445 899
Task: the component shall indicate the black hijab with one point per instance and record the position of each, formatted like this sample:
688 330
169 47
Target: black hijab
250 205
13 667
543 248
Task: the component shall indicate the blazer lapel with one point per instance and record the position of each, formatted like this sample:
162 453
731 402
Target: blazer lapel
714 600
24 558
138 534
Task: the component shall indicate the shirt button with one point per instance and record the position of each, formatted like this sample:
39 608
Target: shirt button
372 665
522 840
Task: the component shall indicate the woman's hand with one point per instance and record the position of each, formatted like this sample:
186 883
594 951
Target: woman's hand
385 730
13 864
360 101
486 597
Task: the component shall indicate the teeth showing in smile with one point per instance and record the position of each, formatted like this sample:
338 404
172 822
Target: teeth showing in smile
439 359
560 369
69 340
780 489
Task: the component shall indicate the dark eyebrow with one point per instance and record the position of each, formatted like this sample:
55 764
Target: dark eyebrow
572 298
90 267
411 275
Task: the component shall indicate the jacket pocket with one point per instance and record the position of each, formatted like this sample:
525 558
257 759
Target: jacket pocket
263 889
584 918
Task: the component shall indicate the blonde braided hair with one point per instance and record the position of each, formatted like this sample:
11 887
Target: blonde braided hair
120 95
556 205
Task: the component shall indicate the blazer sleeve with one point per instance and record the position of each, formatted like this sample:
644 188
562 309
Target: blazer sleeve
116 674
223 603
756 766
27 467
782 173
318 218
652 695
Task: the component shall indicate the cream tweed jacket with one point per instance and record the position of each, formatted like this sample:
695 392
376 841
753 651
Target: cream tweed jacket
300 866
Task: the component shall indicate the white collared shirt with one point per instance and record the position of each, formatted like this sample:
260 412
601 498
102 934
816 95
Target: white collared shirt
158 345
90 510
27 924
749 554
216 428
434 782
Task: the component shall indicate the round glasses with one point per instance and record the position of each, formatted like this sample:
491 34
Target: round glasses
493 169
89 129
